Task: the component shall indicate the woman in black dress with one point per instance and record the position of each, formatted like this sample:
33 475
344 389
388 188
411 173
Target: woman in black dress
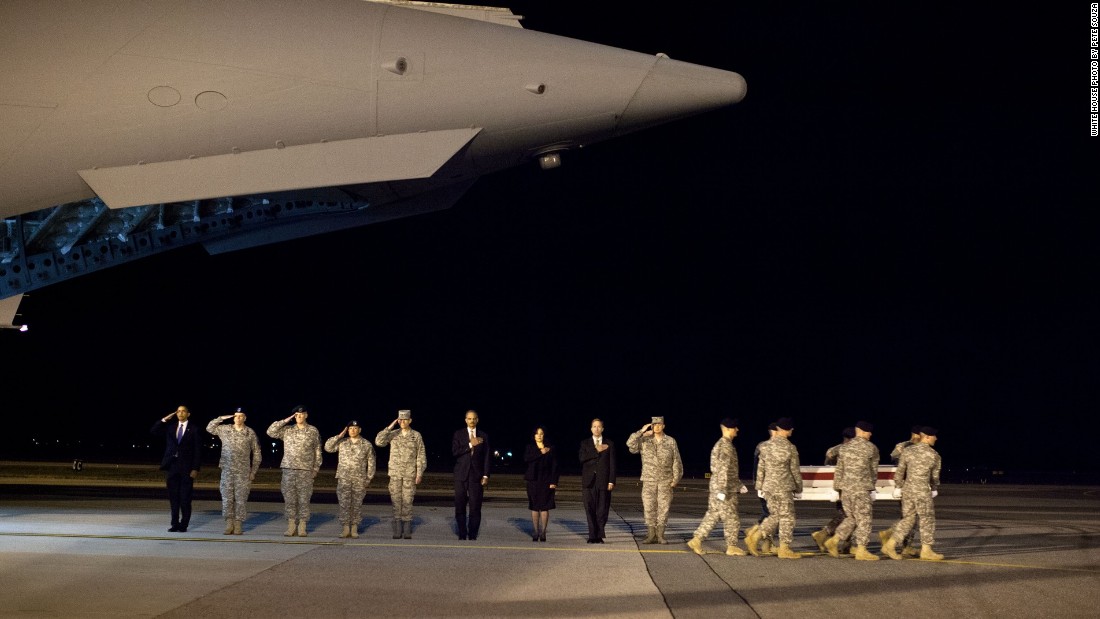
542 481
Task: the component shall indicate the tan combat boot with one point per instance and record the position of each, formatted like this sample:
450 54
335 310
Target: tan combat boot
785 552
767 547
832 546
910 551
696 546
862 554
820 536
291 528
651 535
301 528
345 532
733 551
237 527
661 534
228 527
752 538
927 554
890 548
885 535
355 532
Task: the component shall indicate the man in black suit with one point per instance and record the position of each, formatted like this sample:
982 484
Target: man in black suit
180 464
471 451
597 480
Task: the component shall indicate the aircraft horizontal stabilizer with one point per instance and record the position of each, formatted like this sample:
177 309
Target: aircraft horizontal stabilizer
9 308
306 166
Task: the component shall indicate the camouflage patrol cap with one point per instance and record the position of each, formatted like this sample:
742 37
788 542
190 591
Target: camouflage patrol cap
655 420
404 414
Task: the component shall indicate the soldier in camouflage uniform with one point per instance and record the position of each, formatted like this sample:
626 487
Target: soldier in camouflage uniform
765 542
725 485
779 481
917 482
907 544
354 472
408 461
829 529
855 477
301 461
661 471
239 443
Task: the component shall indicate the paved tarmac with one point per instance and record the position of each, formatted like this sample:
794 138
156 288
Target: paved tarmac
1012 551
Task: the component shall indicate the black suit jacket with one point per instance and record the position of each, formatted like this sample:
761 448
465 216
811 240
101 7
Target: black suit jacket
186 453
597 469
471 463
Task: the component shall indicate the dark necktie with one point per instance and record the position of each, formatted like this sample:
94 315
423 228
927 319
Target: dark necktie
179 433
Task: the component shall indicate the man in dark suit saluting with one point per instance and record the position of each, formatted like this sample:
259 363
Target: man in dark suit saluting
470 448
597 480
180 464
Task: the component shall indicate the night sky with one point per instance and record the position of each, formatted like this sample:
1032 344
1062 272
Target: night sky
897 224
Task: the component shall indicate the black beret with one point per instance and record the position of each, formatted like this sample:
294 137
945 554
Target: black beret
729 422
849 433
784 423
866 426
298 409
929 430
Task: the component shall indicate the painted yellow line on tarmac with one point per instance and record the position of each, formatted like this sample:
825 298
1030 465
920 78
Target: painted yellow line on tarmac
322 542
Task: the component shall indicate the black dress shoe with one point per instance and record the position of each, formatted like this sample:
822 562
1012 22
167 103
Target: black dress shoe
473 537
173 529
542 537
182 529
535 537
590 541
598 541
462 537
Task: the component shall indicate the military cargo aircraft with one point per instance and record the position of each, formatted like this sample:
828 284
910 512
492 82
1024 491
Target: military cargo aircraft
131 127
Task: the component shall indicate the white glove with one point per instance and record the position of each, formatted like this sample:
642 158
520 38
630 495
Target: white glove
896 493
834 496
721 496
874 495
760 493
797 496
744 488
934 493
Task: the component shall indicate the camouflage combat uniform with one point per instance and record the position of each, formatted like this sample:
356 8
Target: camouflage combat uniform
661 467
918 475
301 461
724 479
408 461
895 455
354 472
778 476
237 470
856 473
831 455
